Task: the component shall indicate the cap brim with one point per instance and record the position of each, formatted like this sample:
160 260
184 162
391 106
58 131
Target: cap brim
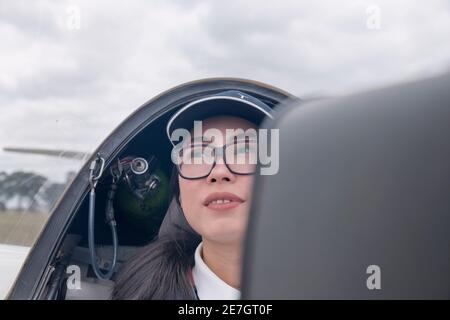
216 105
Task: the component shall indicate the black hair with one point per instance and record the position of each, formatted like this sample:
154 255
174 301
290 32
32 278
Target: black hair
161 270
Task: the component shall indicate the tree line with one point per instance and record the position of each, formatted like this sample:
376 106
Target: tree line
28 191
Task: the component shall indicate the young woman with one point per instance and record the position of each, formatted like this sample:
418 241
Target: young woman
198 252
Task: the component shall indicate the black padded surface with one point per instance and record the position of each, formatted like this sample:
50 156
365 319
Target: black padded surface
363 180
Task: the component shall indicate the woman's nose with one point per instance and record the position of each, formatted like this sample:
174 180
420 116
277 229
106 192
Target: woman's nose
220 173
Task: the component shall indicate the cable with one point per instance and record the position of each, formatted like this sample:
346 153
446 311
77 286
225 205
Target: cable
109 219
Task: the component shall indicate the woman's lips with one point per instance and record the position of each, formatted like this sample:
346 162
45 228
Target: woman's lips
223 206
222 201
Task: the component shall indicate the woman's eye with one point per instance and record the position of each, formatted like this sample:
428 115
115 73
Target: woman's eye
197 153
245 149
191 153
242 150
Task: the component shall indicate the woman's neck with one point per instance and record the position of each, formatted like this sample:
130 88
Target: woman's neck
224 260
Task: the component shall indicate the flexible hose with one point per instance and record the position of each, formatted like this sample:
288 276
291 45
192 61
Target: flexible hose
91 240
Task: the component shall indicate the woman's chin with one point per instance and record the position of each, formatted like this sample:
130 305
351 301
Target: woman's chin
223 233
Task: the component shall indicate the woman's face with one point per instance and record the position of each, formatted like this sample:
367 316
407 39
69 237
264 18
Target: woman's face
217 206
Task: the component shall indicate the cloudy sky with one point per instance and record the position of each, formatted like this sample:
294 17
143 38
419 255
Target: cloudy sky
71 71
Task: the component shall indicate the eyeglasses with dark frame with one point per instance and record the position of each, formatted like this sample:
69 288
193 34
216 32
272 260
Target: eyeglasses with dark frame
197 160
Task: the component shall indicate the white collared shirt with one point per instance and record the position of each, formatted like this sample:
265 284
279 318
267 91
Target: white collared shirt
209 286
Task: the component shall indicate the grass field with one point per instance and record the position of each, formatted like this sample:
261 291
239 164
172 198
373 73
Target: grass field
21 228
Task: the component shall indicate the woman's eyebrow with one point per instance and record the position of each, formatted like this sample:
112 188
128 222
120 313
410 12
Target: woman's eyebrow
195 141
